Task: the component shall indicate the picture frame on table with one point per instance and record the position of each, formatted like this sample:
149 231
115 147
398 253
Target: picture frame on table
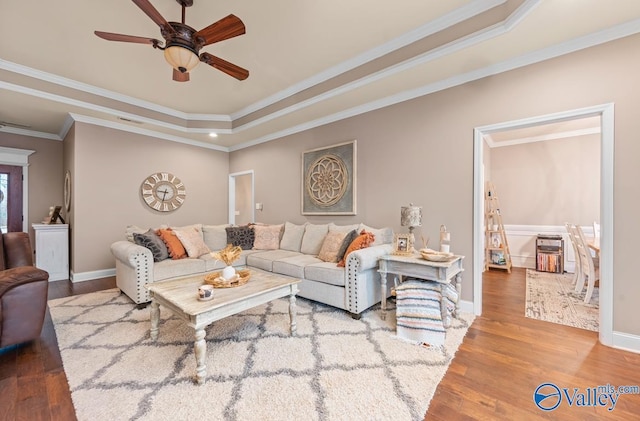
403 244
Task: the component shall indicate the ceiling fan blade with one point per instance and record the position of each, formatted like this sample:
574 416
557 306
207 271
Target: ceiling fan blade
180 77
227 27
155 16
109 36
224 66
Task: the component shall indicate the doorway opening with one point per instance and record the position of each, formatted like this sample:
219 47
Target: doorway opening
241 198
606 114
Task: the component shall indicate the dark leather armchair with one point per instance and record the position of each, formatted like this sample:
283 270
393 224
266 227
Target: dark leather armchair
23 291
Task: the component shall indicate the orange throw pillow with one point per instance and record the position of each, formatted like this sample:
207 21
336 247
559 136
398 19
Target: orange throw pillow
362 241
175 247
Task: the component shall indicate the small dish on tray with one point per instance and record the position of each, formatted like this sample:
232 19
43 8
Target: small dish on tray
435 256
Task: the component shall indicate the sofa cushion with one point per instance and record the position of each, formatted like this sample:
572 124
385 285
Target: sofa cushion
173 268
264 259
294 266
215 236
325 272
192 241
382 235
154 243
331 246
364 240
343 228
292 237
241 236
267 237
175 247
313 238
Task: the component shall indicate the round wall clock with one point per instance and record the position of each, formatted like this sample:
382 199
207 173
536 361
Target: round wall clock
163 192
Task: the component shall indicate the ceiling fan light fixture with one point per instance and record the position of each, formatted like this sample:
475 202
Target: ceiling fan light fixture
181 58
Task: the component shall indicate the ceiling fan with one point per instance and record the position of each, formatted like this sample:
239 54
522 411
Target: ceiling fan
183 43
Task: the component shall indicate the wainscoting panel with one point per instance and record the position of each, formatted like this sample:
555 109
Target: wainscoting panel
522 244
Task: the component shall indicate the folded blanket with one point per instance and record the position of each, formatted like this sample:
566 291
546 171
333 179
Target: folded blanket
418 314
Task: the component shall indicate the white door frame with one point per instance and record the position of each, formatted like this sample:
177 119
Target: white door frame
232 195
19 158
605 112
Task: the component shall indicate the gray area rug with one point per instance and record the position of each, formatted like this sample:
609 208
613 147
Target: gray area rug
335 368
551 297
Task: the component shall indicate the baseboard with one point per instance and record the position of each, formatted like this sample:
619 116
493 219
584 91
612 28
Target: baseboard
626 342
466 306
89 276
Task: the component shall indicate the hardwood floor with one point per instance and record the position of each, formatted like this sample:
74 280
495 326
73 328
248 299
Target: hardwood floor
506 356
33 385
502 360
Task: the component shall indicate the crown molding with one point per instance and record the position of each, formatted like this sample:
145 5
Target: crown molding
475 7
30 133
461 14
105 93
142 131
580 43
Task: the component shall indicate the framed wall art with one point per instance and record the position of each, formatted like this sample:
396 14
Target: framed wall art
329 180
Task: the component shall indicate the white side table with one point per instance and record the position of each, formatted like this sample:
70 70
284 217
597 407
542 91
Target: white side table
52 250
417 267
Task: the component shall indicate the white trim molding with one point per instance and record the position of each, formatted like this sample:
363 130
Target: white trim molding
91 275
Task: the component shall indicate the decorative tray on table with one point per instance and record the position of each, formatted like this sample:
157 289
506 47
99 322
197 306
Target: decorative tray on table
435 256
240 278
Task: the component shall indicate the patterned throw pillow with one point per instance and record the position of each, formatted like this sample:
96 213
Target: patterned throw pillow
331 246
364 240
192 241
175 247
267 237
242 236
150 240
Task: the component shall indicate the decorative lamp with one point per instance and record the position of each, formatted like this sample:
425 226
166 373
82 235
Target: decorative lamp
181 58
411 216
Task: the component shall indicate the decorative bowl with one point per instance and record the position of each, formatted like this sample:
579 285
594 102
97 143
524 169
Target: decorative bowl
435 256
240 278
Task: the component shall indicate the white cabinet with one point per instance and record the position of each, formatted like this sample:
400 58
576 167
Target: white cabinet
52 250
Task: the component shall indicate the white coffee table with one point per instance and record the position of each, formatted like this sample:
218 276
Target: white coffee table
181 297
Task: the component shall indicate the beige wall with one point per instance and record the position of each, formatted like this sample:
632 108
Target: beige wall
548 183
421 151
45 174
108 169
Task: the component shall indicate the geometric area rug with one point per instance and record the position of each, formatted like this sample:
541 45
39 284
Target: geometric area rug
334 368
551 297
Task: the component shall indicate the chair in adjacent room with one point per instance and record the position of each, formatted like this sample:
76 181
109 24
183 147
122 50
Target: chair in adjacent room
577 273
589 272
23 291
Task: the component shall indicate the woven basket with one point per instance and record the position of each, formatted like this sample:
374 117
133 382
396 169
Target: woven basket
214 279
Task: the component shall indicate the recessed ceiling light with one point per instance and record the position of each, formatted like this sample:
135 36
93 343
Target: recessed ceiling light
212 134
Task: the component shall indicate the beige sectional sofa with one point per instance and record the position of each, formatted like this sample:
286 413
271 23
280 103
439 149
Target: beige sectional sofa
353 288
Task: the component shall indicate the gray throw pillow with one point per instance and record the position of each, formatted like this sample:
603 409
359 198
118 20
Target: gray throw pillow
154 243
345 243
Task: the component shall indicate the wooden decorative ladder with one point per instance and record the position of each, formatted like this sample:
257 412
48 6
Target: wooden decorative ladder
496 247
